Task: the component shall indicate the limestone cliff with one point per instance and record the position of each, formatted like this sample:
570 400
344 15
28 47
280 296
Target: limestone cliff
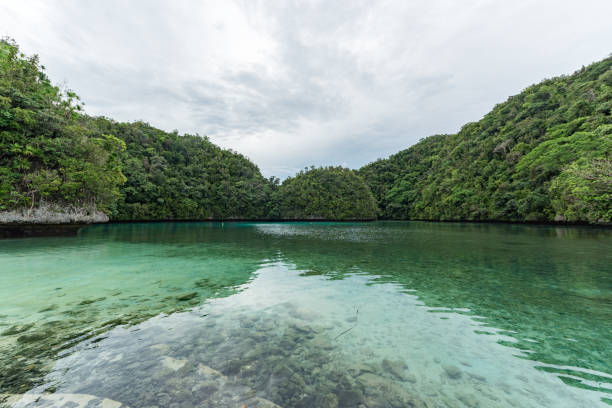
53 214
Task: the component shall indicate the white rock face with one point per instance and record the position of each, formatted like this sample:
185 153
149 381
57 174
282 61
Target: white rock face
53 214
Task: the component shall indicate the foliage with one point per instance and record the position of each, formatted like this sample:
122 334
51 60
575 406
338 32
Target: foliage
330 193
542 155
46 154
172 176
49 151
583 191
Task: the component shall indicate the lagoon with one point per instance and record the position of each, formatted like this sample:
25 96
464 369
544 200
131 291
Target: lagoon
378 314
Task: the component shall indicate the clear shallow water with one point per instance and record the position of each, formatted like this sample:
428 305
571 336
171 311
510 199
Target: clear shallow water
373 314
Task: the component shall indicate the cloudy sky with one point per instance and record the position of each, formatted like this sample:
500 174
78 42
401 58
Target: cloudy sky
293 84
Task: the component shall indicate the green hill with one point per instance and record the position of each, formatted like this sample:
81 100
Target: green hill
172 177
330 193
47 155
53 155
543 155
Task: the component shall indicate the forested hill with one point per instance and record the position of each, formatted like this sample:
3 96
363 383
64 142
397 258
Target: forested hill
58 165
173 177
326 193
47 154
543 155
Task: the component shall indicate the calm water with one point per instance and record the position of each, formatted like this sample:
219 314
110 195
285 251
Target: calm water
308 315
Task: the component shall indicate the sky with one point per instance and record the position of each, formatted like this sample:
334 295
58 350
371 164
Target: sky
291 84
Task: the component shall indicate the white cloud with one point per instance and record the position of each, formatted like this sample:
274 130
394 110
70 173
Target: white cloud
316 82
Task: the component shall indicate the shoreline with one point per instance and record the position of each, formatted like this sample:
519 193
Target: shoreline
32 230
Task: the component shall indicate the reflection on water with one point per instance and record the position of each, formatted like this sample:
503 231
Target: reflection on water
302 315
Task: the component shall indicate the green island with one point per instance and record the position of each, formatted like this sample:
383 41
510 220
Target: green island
544 155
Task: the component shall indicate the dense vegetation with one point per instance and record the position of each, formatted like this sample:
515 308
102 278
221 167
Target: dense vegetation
331 193
170 176
51 152
543 155
46 153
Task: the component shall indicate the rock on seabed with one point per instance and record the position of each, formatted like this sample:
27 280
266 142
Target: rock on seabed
57 400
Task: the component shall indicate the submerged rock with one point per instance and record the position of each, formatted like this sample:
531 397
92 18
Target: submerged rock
468 400
34 337
210 372
328 400
186 296
232 367
173 364
58 400
90 301
17 329
371 381
396 368
48 309
162 348
258 402
360 368
350 398
251 361
452 372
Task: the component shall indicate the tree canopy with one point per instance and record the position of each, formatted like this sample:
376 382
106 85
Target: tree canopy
46 152
330 193
51 152
173 177
543 155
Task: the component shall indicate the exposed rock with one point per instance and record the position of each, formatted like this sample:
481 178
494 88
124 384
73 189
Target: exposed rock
53 214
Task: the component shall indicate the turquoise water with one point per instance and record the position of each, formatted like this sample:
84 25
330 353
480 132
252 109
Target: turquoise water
384 314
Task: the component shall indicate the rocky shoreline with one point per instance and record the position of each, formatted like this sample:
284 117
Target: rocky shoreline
52 214
48 220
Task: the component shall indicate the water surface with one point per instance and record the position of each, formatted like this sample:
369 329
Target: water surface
379 314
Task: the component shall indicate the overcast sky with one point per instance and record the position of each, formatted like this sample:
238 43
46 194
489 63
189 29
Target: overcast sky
293 84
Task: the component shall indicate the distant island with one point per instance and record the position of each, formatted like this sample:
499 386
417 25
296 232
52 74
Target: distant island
544 155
